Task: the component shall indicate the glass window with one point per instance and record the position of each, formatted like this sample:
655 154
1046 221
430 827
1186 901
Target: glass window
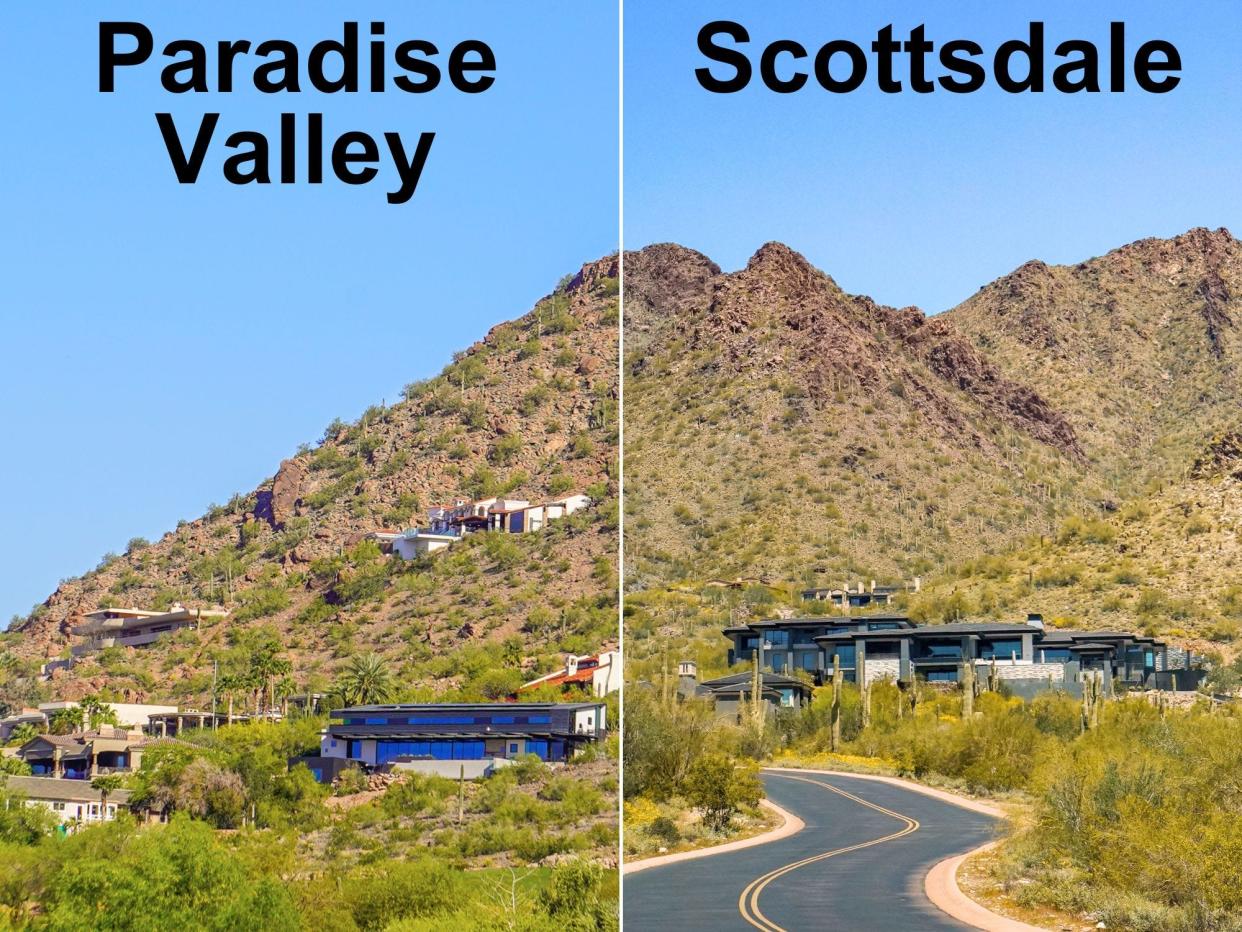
1056 654
807 659
943 676
847 654
949 650
1001 649
778 638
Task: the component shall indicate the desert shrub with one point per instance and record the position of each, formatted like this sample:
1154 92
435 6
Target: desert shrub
260 602
399 890
719 787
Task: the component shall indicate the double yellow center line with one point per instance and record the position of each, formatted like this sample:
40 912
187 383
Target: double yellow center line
748 902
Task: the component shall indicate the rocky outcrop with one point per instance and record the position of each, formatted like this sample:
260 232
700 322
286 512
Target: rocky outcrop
287 490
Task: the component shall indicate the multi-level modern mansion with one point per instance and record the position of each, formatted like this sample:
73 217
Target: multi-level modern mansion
873 647
447 523
133 627
473 736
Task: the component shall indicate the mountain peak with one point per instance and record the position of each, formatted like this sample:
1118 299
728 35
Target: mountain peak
778 261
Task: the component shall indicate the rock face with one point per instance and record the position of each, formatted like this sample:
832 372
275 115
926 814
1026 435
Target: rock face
877 439
287 491
782 315
1137 348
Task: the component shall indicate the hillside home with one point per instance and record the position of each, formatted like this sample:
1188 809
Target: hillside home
594 675
871 647
83 756
173 722
132 627
730 695
425 736
129 716
871 597
71 801
447 523
416 542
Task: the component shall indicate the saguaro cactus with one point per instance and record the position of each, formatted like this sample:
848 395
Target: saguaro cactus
836 703
756 693
968 688
1092 695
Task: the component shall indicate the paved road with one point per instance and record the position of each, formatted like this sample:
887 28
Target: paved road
858 865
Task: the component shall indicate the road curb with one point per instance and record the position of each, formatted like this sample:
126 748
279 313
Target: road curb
790 826
942 889
963 802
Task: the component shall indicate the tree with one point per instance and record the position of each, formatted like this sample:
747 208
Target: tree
21 734
14 766
106 784
719 788
366 680
229 686
66 721
96 713
266 667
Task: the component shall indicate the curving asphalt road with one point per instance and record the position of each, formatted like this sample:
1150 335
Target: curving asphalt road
858 864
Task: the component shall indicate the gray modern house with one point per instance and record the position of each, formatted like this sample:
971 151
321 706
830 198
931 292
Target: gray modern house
377 736
872 647
731 695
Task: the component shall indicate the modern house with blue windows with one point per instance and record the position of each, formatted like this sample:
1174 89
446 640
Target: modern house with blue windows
377 736
873 647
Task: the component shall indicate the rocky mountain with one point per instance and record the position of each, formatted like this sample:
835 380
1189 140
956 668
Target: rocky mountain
530 412
1139 348
779 429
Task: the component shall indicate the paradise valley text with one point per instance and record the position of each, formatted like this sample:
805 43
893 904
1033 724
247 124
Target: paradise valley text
273 66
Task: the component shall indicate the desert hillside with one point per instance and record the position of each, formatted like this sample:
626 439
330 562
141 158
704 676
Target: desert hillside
1064 441
529 412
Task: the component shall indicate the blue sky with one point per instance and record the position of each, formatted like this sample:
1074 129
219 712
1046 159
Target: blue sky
166 346
920 199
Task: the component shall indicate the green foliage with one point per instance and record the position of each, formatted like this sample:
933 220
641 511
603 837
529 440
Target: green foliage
506 448
117 878
366 680
260 602
404 889
1138 815
21 824
719 787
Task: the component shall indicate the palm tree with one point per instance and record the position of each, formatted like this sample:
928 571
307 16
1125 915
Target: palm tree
366 680
96 713
106 784
266 667
230 684
66 721
21 734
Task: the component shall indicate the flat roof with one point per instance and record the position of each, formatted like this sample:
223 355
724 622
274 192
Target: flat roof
933 631
832 619
776 679
469 706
